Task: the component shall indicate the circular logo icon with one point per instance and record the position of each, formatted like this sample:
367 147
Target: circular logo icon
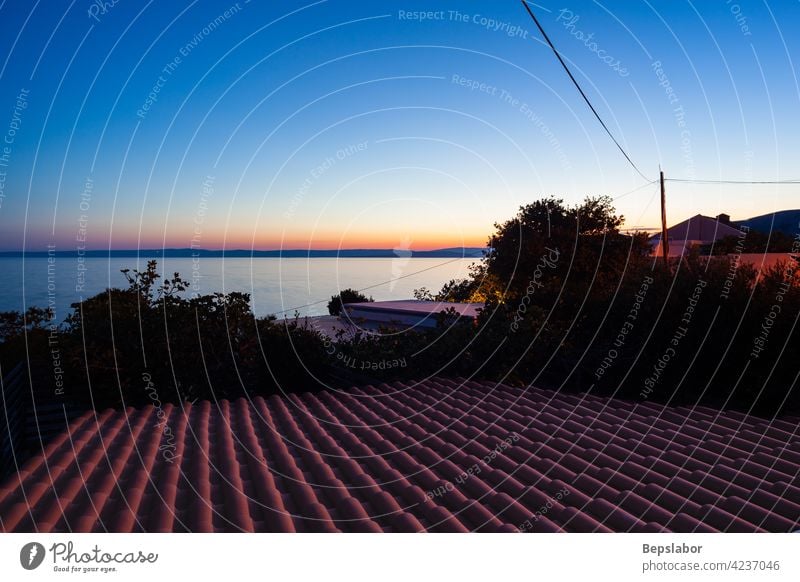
31 555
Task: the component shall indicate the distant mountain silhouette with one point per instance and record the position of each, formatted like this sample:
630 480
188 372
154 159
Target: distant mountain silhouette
449 253
785 221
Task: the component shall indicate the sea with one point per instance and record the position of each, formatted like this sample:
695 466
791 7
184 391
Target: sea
280 286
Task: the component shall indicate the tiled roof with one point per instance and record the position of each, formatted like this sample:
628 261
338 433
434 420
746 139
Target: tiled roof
443 455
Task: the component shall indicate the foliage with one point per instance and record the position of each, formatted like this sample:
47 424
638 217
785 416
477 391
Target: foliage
15 323
454 291
423 294
571 303
23 334
337 302
754 242
152 342
574 304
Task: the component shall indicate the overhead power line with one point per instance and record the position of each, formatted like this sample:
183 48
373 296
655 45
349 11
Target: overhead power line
580 90
635 190
701 181
611 135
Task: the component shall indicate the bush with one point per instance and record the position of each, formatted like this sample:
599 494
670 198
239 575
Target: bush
337 302
150 344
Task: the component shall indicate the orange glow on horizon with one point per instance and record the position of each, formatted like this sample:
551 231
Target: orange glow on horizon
427 243
353 243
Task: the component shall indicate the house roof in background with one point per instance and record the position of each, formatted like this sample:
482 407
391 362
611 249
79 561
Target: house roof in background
699 228
443 455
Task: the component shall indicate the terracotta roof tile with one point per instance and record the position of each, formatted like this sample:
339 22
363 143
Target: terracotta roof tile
442 455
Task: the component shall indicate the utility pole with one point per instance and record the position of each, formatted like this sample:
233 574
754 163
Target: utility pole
664 239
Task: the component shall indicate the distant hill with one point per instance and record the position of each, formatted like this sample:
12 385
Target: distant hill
450 253
785 221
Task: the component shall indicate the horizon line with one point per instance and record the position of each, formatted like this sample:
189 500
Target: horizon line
53 250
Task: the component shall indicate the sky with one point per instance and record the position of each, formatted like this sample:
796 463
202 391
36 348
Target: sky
343 124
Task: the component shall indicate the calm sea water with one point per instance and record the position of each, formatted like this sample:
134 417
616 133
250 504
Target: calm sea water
275 285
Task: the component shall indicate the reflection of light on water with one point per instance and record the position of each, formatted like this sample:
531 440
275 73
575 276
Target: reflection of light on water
399 263
274 284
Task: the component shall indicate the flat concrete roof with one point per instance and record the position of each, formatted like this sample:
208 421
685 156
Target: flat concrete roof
417 307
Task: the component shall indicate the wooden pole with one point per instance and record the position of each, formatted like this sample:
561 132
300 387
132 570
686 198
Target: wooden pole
664 238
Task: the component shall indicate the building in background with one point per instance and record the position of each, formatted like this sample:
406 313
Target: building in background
697 231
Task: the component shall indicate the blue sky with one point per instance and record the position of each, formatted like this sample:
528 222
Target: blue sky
351 124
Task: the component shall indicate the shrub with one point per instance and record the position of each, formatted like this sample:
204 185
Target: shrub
125 347
337 302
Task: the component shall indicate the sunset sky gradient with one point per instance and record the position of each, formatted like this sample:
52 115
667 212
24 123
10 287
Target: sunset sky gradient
359 124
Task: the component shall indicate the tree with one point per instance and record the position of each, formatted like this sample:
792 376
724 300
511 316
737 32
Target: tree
551 241
337 302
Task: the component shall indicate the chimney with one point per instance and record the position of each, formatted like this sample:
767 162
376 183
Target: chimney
724 219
